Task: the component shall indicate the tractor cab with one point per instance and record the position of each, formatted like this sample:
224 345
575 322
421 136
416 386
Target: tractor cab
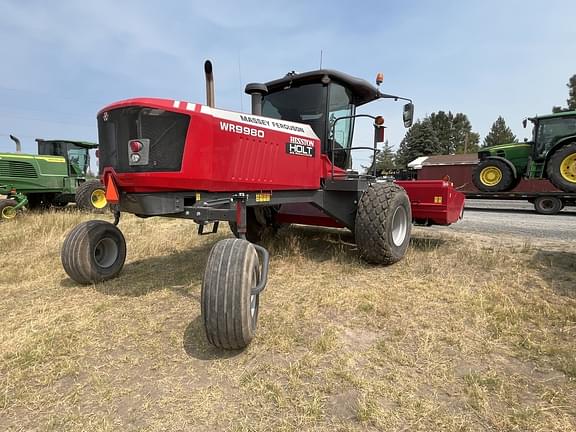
76 154
327 101
549 130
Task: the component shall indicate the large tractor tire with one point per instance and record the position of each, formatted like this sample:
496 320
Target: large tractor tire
383 223
561 168
7 209
548 205
93 251
91 196
229 309
258 224
494 175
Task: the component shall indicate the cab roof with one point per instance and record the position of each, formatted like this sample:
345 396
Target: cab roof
554 115
85 144
362 90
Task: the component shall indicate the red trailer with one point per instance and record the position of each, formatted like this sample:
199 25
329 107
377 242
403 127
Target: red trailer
458 169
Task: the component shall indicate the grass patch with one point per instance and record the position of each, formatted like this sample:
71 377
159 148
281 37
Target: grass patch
463 334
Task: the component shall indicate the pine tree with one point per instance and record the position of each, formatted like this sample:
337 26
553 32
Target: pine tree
454 132
572 93
571 101
420 140
465 140
385 159
499 134
442 124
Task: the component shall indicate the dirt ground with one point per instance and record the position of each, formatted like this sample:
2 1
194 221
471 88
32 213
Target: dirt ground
467 333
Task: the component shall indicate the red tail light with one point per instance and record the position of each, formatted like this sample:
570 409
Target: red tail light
136 146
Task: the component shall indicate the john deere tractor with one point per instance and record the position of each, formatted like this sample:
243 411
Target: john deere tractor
54 177
551 155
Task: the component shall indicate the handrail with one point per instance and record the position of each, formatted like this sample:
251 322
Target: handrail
332 150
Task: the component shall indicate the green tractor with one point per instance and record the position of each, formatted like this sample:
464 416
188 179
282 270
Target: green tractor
53 178
550 155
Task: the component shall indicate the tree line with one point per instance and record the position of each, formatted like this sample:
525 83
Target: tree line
447 133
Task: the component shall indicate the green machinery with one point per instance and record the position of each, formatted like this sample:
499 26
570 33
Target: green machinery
551 155
54 177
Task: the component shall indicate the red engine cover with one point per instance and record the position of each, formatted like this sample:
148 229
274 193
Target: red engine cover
230 151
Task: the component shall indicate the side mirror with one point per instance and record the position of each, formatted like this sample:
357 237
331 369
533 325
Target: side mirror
524 123
408 114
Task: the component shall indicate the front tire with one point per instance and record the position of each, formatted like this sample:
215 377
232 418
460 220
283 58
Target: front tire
8 209
93 251
229 310
493 175
561 168
383 223
91 196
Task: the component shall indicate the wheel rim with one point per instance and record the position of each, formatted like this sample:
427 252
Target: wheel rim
253 302
8 212
98 199
491 176
568 168
547 204
106 252
399 226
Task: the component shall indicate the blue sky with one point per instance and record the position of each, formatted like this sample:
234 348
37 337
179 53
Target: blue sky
64 60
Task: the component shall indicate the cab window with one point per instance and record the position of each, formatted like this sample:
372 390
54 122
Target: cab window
77 160
340 135
550 130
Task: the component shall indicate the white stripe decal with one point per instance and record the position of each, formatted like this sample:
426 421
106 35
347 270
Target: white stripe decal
300 129
176 104
190 106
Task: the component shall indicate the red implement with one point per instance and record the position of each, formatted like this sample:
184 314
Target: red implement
434 202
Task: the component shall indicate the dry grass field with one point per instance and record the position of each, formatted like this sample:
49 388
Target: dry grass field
466 333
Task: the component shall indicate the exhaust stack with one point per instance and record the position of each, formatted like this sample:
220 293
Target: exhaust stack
17 142
257 91
209 83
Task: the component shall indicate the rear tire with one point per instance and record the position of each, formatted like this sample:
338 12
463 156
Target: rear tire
229 310
561 168
91 196
7 211
93 251
548 205
383 223
494 175
258 224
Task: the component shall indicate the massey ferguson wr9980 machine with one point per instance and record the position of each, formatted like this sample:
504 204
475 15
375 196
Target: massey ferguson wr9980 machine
287 162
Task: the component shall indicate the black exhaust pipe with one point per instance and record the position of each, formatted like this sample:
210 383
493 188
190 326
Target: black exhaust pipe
209 83
257 91
17 141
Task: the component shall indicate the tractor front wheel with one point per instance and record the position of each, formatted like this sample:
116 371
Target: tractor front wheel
91 196
561 168
383 223
8 209
229 309
493 175
93 251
